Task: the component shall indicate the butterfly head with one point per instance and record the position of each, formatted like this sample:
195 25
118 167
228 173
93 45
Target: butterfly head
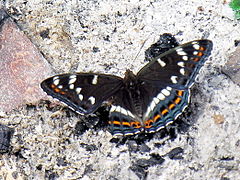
130 80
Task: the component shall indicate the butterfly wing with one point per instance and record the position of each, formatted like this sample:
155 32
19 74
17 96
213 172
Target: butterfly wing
82 92
177 67
123 116
163 107
167 81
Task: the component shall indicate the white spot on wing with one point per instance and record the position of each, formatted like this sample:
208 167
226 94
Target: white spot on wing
196 46
168 88
60 86
124 111
95 79
78 90
147 112
73 76
174 79
118 109
121 110
56 82
161 96
181 52
162 63
156 100
71 86
92 99
55 78
80 96
72 79
185 58
113 108
181 64
182 71
179 49
165 92
152 105
195 52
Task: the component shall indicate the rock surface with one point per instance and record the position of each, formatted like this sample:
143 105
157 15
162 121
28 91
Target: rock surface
22 68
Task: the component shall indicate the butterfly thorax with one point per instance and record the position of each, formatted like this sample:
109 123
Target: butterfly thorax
132 86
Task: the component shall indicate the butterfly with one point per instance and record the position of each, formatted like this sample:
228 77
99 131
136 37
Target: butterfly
145 102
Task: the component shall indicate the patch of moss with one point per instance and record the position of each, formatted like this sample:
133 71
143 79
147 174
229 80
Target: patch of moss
235 5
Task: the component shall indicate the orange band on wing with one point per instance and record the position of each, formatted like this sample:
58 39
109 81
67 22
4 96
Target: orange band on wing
148 123
201 49
179 93
57 90
171 106
133 124
177 100
200 54
136 124
156 118
126 124
165 111
196 59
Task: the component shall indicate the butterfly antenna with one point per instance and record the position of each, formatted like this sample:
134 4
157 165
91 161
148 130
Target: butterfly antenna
140 49
142 46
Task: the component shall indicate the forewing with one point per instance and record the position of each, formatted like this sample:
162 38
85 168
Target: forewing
177 67
82 92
